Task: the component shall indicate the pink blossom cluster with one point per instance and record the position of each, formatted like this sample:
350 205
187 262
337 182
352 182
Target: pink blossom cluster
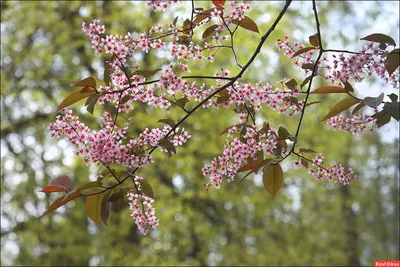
370 60
153 137
238 10
160 5
118 45
354 66
335 173
107 146
356 124
238 150
142 210
290 50
279 99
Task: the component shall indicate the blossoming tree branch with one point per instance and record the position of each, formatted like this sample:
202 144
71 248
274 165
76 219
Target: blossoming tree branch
249 148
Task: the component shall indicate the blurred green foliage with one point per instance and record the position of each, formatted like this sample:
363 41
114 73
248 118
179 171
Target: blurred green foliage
309 223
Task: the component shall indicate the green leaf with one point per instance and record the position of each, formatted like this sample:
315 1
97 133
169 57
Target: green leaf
313 103
124 99
175 20
308 66
93 100
273 179
246 23
146 188
329 89
291 84
167 121
283 132
168 145
89 185
294 100
373 102
93 207
304 162
237 125
182 39
120 194
73 98
105 207
210 30
393 61
89 81
302 50
340 107
117 205
182 102
306 80
306 150
379 38
223 98
313 39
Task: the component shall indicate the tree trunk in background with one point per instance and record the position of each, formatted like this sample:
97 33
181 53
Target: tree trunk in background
349 216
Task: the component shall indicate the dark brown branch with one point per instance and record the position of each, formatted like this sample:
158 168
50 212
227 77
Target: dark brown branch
312 78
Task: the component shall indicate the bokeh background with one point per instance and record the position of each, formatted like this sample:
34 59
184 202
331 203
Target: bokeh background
309 223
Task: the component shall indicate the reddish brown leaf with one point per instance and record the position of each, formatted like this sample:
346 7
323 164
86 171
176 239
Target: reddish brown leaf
357 108
203 15
246 23
302 50
254 165
86 90
52 189
61 201
348 87
329 89
219 3
73 98
62 181
210 30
